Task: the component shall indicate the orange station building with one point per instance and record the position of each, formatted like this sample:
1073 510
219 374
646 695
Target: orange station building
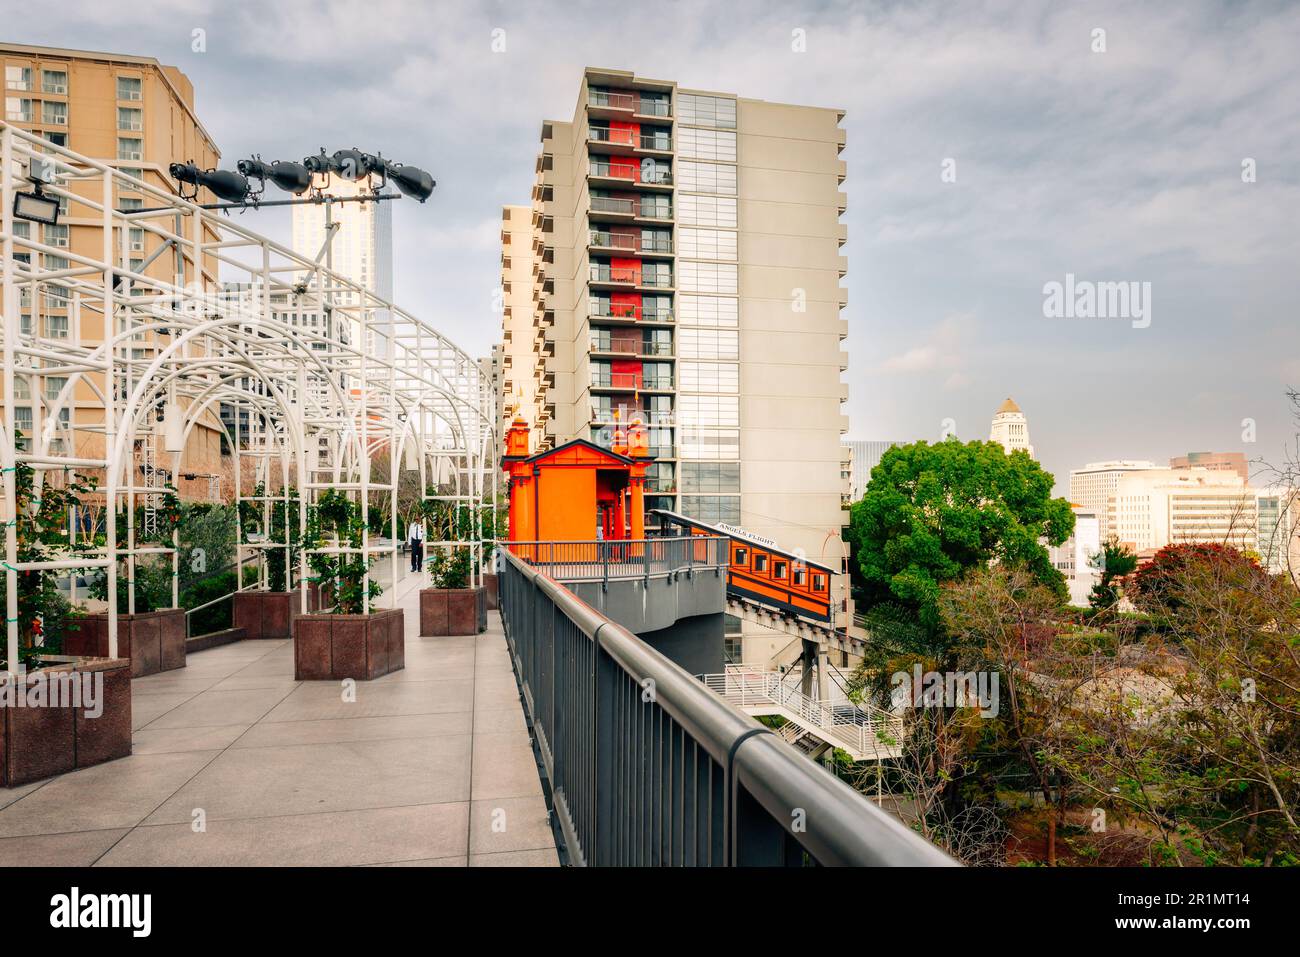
579 491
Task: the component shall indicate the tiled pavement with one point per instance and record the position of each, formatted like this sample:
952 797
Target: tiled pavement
431 765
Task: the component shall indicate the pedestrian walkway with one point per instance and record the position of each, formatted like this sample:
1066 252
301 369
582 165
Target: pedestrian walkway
235 763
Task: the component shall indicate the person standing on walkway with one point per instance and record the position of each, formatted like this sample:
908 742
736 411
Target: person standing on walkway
416 533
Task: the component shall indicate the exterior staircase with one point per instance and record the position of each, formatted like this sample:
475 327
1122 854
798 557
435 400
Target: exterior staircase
866 734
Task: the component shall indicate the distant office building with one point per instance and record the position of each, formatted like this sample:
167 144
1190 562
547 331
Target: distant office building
1092 486
1010 428
1075 558
1279 530
1214 461
1152 508
865 456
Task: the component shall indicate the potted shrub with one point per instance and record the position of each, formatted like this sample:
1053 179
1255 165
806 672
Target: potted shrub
347 643
451 607
57 712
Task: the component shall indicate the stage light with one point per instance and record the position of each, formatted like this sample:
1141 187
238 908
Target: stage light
291 177
231 187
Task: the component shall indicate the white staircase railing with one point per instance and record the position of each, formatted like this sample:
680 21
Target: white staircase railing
866 733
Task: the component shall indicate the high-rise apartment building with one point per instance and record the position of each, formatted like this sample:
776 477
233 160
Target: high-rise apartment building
362 245
1279 530
686 273
1010 428
1092 486
523 345
1214 461
137 115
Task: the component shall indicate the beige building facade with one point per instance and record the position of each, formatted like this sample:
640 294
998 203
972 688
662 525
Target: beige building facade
686 267
137 115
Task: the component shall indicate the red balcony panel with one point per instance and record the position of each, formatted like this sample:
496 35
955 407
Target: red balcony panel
625 134
625 304
625 373
624 168
625 270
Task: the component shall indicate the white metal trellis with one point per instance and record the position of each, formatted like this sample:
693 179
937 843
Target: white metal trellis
118 367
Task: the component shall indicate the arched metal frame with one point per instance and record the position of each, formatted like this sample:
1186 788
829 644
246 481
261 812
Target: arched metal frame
313 402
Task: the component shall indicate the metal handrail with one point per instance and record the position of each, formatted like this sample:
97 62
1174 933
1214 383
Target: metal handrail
648 767
615 559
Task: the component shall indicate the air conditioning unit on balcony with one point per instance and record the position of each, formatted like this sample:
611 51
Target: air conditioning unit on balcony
59 120
136 156
134 126
57 88
137 246
59 241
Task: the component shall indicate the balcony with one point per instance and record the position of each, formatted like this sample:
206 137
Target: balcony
633 175
629 277
628 312
624 141
631 382
621 208
631 347
611 104
630 243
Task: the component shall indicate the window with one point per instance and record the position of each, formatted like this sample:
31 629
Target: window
706 210
778 569
23 424
54 113
128 203
707 144
707 277
707 244
130 148
129 88
710 443
740 556
715 111
656 207
56 139
707 177
819 583
57 235
18 77
760 562
56 327
711 477
54 385
711 377
710 410
708 310
54 81
801 576
136 237
709 344
19 110
712 508
129 118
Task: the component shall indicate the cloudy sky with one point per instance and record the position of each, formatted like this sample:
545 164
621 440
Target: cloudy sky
1122 165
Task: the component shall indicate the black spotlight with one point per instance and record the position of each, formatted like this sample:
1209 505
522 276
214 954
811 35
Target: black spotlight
290 177
411 180
320 164
354 164
231 187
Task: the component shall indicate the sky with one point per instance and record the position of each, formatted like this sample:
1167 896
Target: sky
994 148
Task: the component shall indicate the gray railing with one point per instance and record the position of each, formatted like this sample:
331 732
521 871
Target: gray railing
620 559
648 767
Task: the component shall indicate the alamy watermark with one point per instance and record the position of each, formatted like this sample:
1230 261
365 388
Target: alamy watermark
952 689
1085 299
83 690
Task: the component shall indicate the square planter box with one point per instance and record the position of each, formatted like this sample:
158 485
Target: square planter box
38 742
270 614
154 641
452 611
361 647
492 584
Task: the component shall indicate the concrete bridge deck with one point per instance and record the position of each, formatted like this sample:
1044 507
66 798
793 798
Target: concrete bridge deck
428 766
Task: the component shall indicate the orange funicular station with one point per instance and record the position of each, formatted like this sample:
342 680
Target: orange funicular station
576 495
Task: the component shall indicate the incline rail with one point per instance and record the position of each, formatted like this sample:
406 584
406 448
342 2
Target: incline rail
649 767
619 559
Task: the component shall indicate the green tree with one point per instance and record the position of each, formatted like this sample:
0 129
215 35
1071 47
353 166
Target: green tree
931 512
1116 561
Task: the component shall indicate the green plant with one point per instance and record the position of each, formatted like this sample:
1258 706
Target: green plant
450 569
336 519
